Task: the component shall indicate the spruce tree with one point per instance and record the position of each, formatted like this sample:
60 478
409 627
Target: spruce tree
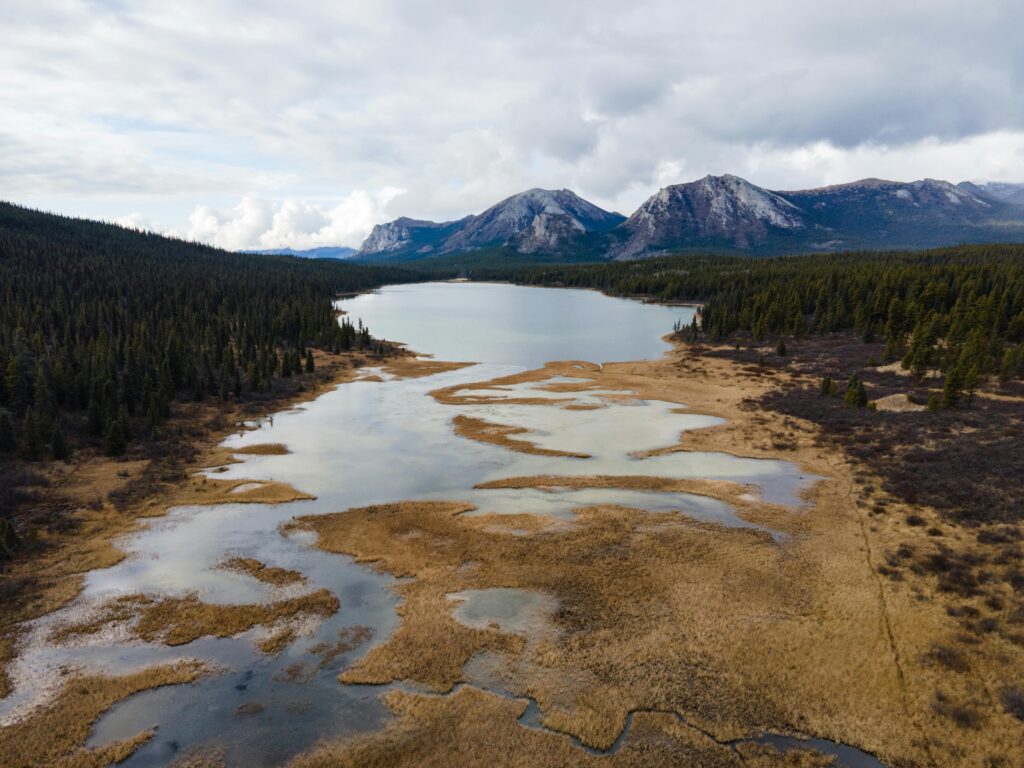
115 442
856 395
7 441
30 446
59 444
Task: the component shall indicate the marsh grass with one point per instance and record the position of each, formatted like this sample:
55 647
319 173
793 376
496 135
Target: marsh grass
501 434
262 449
55 734
277 577
180 620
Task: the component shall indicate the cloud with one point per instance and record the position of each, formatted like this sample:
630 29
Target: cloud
257 223
181 110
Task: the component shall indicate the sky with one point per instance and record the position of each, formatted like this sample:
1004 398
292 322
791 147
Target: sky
267 124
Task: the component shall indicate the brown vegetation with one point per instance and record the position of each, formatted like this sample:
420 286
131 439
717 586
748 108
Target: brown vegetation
267 574
70 513
349 638
501 434
55 734
475 729
262 449
733 631
180 620
414 367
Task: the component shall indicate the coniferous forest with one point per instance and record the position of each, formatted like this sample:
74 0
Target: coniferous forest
102 327
958 309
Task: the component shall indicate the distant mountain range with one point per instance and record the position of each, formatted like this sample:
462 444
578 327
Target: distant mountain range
535 221
328 252
723 213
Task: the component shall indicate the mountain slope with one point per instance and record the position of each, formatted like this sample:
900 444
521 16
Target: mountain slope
726 212
406 238
537 220
534 221
1009 193
716 211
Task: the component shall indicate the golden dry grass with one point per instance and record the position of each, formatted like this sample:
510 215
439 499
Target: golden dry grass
8 652
53 574
212 757
475 729
180 620
501 434
731 630
210 490
267 574
263 449
349 638
411 367
277 640
55 734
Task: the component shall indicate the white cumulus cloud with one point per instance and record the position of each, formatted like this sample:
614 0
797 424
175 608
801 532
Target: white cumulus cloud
258 223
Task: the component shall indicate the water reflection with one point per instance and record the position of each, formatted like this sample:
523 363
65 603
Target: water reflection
372 442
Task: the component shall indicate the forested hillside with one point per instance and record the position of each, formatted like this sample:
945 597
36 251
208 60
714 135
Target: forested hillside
102 327
959 309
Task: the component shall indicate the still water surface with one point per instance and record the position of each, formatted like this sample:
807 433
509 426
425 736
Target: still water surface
370 442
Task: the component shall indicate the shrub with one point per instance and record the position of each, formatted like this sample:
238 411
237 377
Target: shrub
1013 701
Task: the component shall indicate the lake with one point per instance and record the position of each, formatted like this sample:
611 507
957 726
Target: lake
370 442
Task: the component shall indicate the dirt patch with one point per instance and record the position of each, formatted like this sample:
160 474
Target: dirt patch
897 403
180 620
277 577
501 434
55 734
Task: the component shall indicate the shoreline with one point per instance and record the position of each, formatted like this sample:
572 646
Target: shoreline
827 616
41 582
829 570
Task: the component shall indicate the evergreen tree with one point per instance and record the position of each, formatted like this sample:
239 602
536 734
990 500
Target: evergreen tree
310 365
7 440
30 447
59 444
115 442
952 388
856 395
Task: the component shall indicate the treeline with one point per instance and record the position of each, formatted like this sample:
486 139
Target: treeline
102 328
959 309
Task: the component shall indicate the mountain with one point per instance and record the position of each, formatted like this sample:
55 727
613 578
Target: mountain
1010 193
324 252
408 238
534 221
716 211
538 220
726 212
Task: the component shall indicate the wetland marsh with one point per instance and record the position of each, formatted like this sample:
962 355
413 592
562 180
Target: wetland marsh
635 576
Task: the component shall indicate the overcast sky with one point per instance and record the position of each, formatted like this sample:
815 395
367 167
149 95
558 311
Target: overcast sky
263 123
